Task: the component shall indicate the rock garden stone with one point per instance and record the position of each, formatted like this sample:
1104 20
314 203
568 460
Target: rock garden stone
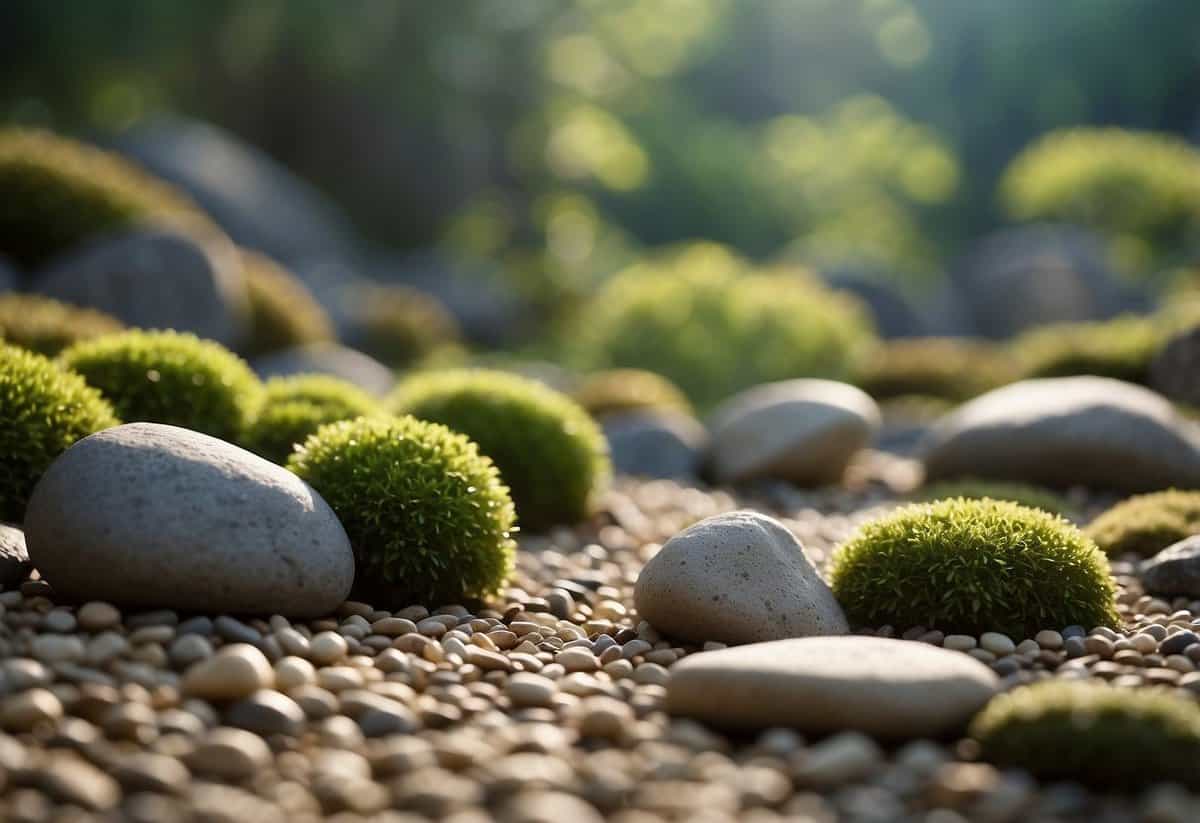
655 443
154 278
803 431
736 578
153 515
1089 431
1173 370
239 670
1175 570
14 559
883 688
328 358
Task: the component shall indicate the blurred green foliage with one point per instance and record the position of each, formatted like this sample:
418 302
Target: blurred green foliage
557 137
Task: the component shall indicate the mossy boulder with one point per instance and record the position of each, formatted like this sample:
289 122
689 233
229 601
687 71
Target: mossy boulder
616 391
283 312
1034 497
1122 348
1147 523
1092 733
973 566
56 193
401 326
43 410
47 326
170 377
294 407
428 516
947 368
550 452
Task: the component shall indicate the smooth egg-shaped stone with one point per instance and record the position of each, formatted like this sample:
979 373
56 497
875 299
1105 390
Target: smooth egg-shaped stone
160 516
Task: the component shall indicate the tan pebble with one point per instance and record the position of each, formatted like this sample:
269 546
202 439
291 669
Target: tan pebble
651 673
327 647
1049 639
1144 643
525 689
339 678
26 710
71 779
577 660
292 642
229 753
237 670
291 672
503 639
619 668
604 717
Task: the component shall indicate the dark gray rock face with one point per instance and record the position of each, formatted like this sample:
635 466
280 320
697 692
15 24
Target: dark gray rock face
655 444
1175 370
159 516
1175 570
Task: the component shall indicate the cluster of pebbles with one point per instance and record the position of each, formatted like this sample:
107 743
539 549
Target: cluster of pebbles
545 705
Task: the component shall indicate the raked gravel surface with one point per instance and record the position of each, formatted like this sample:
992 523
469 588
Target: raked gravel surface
544 705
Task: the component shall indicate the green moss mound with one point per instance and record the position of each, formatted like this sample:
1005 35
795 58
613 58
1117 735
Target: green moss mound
1034 497
43 410
713 325
426 513
170 377
943 367
973 566
1122 348
55 193
1147 523
295 407
1093 733
47 326
283 312
621 390
401 326
550 452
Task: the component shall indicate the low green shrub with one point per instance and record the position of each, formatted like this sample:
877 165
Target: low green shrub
943 367
43 410
621 390
47 326
973 566
283 312
294 407
1122 348
426 513
1090 732
1034 497
1147 523
549 451
170 377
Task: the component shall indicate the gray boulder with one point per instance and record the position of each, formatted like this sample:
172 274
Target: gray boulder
328 358
655 443
1174 571
148 515
1089 431
155 278
1175 370
804 431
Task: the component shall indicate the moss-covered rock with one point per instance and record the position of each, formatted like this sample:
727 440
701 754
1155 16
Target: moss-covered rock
1034 497
713 325
549 451
1147 523
973 566
47 326
401 326
1122 348
943 367
283 312
623 390
1093 733
427 514
43 410
170 377
295 407
56 192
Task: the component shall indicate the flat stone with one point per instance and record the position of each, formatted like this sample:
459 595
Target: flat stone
881 687
152 515
233 754
1175 570
14 558
803 431
236 671
349 364
655 444
155 278
1067 431
150 772
739 577
72 779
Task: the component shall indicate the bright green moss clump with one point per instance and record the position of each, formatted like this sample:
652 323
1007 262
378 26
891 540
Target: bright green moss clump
426 513
550 452
47 326
1147 523
43 410
56 193
973 566
169 377
1033 497
1107 737
295 407
283 312
1121 348
942 367
713 325
622 390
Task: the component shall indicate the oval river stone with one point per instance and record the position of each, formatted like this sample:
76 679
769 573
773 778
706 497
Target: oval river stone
153 515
